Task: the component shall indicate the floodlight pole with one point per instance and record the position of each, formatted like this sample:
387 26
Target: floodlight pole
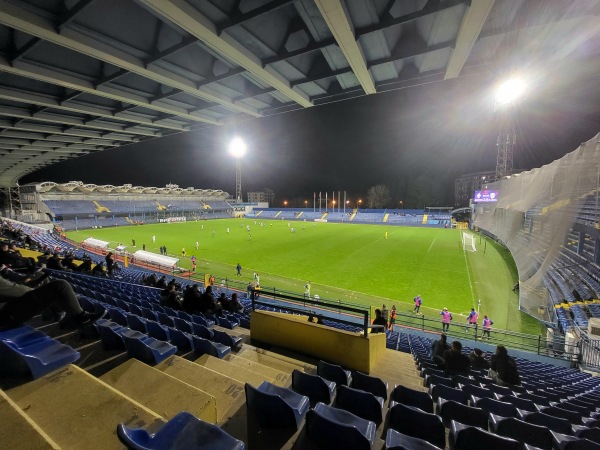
238 180
507 139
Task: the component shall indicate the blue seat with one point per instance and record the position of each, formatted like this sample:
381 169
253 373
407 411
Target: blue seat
158 331
22 336
185 316
466 437
182 432
226 339
147 349
202 331
165 319
245 322
399 441
170 311
537 399
335 373
204 346
336 428
557 424
136 323
497 389
572 416
38 358
110 334
520 403
450 410
448 393
360 403
519 430
565 442
157 308
118 316
414 422
226 323
183 325
593 434
276 407
201 320
497 407
374 385
180 339
476 391
434 379
135 309
410 397
317 389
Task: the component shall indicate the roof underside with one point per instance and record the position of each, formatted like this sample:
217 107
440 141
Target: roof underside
82 76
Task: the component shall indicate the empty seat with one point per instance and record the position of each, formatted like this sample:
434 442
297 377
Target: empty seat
118 316
147 349
520 403
23 336
528 433
317 389
465 437
165 319
414 422
490 405
276 407
180 339
226 323
202 331
361 403
184 431
183 325
497 389
450 410
335 373
433 379
226 339
410 397
557 424
202 320
537 399
336 428
110 334
572 416
399 441
148 314
158 331
476 391
206 347
593 434
374 385
565 442
136 323
448 393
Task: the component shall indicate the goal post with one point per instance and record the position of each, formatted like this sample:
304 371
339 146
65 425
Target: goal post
468 241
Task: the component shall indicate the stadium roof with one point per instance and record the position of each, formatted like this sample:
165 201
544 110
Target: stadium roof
78 77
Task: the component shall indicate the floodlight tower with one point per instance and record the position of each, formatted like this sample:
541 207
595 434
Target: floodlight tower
237 149
506 97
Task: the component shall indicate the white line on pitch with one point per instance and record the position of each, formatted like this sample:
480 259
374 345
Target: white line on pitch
431 245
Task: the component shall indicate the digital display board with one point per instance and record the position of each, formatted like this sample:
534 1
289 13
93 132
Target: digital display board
486 196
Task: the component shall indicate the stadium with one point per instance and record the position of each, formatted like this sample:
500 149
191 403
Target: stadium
111 345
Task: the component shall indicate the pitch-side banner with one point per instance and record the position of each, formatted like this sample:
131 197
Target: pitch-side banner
172 219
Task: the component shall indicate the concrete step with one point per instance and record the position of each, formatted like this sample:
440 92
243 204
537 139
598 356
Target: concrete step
18 431
271 359
140 381
79 411
228 393
230 370
280 378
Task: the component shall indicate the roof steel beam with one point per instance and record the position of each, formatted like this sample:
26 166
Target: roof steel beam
238 18
336 16
193 22
20 125
19 18
185 42
468 33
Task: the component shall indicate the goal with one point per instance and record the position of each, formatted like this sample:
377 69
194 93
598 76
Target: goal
468 241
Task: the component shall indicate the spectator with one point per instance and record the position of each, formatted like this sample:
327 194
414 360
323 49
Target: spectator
208 303
392 317
19 303
503 368
418 302
98 269
55 263
169 297
454 361
487 326
472 320
109 263
446 319
439 347
478 362
235 305
385 314
379 320
191 299
162 283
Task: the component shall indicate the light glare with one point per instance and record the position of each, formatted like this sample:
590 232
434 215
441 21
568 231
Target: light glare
237 148
509 91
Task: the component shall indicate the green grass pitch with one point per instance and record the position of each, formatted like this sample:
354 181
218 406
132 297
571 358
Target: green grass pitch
350 262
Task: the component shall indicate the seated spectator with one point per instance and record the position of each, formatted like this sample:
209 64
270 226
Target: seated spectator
439 347
503 368
55 263
19 303
109 263
455 362
478 362
43 258
85 266
234 304
13 258
69 263
208 304
151 280
98 269
170 298
191 299
224 301
379 320
162 283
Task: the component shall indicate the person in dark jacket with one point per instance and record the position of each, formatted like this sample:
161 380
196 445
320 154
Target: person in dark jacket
208 303
191 299
455 362
379 320
503 368
109 263
478 362
169 297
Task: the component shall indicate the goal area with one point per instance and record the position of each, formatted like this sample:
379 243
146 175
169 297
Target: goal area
468 242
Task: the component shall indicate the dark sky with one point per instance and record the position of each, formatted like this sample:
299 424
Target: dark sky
439 131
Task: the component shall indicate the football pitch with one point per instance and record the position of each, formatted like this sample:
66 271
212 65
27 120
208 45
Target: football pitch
349 262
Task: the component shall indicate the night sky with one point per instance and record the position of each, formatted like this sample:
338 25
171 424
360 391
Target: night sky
434 132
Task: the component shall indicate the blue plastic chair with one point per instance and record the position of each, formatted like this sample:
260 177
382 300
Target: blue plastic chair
182 340
183 325
147 349
410 397
158 331
367 383
165 319
519 430
497 407
317 389
565 442
414 422
558 424
204 346
276 407
520 403
110 334
360 403
201 320
39 358
335 373
136 323
202 331
118 316
336 428
182 432
226 323
226 339
450 410
466 437
148 314
135 309
22 336
399 441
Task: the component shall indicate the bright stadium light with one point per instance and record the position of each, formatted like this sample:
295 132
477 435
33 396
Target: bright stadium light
237 147
509 91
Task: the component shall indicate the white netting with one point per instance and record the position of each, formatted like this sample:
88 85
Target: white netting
549 220
468 242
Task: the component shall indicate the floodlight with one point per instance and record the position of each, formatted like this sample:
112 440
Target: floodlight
237 148
509 91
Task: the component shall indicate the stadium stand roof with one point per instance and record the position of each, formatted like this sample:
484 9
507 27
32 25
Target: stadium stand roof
78 77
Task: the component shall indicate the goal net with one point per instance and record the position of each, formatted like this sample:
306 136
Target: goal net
468 241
